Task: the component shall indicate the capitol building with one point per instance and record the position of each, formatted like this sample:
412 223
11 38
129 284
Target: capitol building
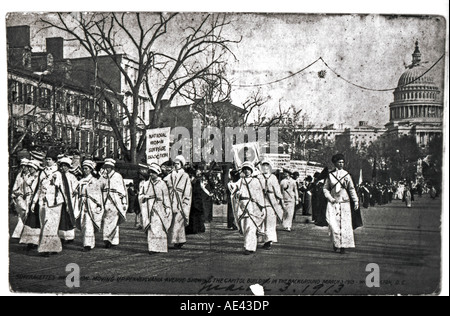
417 109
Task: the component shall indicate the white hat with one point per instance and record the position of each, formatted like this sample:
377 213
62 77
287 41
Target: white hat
65 160
155 168
267 162
89 163
180 159
24 162
143 166
36 164
248 164
109 162
37 155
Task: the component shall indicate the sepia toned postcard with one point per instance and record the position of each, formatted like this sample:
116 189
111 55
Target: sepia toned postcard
196 153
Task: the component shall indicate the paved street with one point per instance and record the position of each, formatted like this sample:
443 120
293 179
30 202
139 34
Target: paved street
405 243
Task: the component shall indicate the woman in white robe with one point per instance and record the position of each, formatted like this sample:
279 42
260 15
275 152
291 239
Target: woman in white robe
272 198
115 203
18 197
338 190
250 210
56 196
407 196
290 199
156 210
180 191
90 211
31 233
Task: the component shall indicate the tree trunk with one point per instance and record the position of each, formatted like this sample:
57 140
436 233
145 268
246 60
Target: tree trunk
133 144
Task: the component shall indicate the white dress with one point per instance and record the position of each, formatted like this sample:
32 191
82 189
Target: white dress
156 213
339 216
115 205
180 191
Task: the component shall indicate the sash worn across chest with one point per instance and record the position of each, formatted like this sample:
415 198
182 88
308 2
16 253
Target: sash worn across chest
155 198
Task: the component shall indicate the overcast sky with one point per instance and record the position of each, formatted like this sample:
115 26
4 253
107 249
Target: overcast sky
369 50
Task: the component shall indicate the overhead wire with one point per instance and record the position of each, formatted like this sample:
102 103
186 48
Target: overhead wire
340 77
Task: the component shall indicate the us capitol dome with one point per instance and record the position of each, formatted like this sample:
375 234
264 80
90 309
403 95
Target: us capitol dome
417 108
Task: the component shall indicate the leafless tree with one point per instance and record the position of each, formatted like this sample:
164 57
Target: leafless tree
163 71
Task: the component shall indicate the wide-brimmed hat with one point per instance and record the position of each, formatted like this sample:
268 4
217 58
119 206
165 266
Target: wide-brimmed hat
143 166
109 162
89 163
180 159
24 161
249 165
36 164
153 167
37 155
65 160
267 162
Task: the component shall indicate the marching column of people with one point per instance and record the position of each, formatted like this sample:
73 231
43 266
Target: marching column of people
51 202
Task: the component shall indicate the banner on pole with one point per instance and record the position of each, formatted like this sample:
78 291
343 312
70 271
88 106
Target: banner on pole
158 145
279 161
245 152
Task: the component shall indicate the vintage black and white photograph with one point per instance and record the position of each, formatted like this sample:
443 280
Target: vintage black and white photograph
225 153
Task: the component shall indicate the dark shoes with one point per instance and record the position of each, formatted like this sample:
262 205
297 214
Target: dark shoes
87 249
31 247
248 252
108 244
340 250
267 245
178 246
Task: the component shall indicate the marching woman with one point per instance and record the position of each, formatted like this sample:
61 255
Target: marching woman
90 211
32 224
250 211
407 196
272 198
51 200
290 199
67 184
156 210
338 190
115 203
18 198
180 192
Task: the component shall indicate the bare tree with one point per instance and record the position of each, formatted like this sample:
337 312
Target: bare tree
162 72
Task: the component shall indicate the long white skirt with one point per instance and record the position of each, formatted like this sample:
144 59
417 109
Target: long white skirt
288 215
270 226
250 234
49 240
177 234
156 237
87 230
18 230
110 225
339 218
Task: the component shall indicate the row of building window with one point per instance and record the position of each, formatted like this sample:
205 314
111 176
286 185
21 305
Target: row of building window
67 103
84 140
